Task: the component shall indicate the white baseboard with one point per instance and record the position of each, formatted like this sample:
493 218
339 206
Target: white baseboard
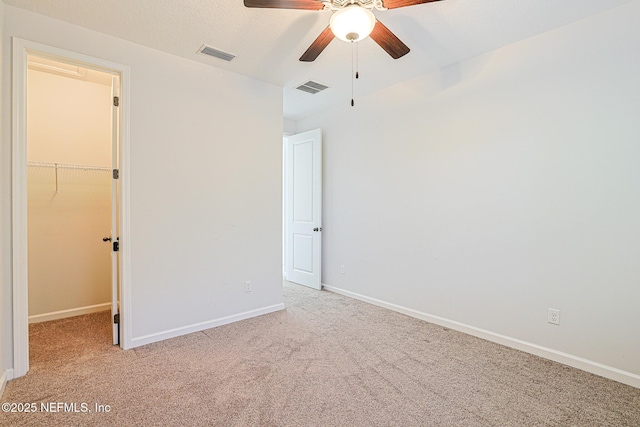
172 333
6 376
69 313
544 352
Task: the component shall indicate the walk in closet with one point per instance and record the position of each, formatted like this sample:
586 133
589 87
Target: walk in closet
69 183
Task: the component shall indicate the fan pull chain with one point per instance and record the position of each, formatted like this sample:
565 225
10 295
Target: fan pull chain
352 51
357 74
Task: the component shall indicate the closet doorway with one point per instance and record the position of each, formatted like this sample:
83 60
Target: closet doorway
72 128
26 53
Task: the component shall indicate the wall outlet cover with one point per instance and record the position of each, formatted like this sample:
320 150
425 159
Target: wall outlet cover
553 316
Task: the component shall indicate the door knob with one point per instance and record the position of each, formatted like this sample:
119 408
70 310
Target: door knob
317 229
106 239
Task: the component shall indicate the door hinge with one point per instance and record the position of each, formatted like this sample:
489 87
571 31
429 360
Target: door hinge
116 174
116 318
116 246
116 101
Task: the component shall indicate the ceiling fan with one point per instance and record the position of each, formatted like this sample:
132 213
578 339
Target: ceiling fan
352 21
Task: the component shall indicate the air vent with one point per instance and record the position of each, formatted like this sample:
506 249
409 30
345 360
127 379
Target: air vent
208 50
312 87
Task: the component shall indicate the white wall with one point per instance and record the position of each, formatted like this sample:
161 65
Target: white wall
495 189
205 171
289 126
69 121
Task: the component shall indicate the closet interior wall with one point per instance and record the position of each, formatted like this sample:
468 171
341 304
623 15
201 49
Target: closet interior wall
69 190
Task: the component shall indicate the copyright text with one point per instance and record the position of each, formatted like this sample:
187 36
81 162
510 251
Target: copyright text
74 407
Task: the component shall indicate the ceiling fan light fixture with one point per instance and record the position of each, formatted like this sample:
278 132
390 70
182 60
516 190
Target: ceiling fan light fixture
352 23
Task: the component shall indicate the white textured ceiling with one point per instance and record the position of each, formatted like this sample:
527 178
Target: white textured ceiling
268 42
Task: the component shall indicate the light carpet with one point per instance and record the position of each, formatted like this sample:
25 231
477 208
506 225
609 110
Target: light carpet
326 360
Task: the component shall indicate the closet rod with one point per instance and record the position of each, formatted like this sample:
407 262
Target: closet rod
67 166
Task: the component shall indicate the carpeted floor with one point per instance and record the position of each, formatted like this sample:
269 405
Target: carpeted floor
324 361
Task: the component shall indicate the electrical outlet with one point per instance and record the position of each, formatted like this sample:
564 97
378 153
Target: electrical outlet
247 286
342 269
553 316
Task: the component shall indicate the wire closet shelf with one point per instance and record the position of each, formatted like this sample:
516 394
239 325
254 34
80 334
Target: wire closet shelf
67 166
57 166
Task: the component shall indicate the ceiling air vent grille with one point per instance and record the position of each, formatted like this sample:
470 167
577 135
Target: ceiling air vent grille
216 53
312 87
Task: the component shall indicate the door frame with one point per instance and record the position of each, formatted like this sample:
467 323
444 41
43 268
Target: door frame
22 48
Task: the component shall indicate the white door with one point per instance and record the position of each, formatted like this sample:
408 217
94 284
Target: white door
303 208
115 239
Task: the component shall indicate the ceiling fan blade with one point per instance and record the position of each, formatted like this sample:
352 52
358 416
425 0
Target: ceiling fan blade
318 45
388 41
285 4
394 4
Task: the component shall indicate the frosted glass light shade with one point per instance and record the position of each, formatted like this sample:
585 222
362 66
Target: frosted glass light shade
353 23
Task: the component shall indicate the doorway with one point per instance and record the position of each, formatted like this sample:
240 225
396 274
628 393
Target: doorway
302 208
70 129
64 175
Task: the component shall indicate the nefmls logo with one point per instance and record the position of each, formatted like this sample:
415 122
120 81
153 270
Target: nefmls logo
64 407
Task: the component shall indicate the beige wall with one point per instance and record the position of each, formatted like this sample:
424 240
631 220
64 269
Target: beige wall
69 264
69 120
